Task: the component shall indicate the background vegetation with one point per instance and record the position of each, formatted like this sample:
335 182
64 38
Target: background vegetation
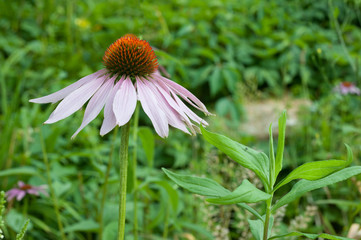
228 53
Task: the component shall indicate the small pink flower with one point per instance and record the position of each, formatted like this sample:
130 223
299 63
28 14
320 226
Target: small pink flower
24 189
130 74
345 88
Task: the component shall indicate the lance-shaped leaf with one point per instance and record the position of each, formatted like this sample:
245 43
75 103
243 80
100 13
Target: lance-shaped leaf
281 143
247 157
317 170
202 186
304 186
310 236
257 227
205 187
272 163
245 193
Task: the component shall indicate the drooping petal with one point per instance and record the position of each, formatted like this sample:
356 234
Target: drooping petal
33 191
183 92
189 112
174 118
96 104
38 189
182 107
110 121
12 193
21 184
152 109
125 101
57 96
75 100
20 195
165 91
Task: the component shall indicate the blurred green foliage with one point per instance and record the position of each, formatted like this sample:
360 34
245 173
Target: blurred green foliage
223 51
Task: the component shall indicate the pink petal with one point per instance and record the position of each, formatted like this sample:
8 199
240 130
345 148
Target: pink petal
189 112
20 195
54 97
173 117
12 193
75 100
181 106
125 101
33 191
110 121
183 92
164 90
21 184
152 109
96 104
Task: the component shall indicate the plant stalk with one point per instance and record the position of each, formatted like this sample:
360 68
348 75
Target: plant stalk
52 192
268 215
105 186
134 163
123 178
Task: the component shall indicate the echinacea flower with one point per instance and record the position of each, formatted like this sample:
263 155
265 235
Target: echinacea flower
130 74
24 189
345 88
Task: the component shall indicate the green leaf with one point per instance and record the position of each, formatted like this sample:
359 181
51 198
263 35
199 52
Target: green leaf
16 221
272 157
343 204
250 209
171 193
215 81
18 171
304 186
202 186
21 234
230 78
247 157
245 193
84 226
147 138
317 170
281 143
110 231
311 236
256 227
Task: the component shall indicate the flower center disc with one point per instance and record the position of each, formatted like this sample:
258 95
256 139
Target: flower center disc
26 187
130 56
346 84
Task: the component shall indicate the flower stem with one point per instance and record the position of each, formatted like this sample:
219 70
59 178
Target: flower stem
134 163
123 178
106 178
52 192
268 215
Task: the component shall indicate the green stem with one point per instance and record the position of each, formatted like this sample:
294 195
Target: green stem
339 34
134 162
268 215
106 179
52 192
123 178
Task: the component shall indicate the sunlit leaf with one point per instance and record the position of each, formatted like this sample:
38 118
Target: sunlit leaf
281 143
247 157
202 186
245 193
147 138
84 226
19 171
317 170
304 186
310 236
